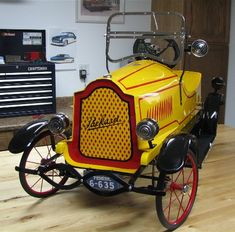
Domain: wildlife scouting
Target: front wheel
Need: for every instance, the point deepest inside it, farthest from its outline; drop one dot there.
(181, 188)
(39, 153)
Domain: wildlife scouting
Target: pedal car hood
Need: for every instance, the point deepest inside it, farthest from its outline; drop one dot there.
(142, 77)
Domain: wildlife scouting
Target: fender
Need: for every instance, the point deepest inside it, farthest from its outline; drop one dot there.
(211, 113)
(212, 106)
(173, 152)
(25, 136)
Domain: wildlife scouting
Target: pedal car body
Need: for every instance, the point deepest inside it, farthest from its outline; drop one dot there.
(144, 114)
(107, 111)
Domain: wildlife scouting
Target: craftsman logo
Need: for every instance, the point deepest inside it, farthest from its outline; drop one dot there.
(37, 68)
(103, 121)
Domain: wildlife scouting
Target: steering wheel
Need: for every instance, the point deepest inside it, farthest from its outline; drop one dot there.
(150, 51)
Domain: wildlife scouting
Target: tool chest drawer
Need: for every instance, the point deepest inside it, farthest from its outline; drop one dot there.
(27, 89)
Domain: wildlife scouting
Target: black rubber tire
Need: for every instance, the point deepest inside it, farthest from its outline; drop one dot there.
(33, 156)
(181, 189)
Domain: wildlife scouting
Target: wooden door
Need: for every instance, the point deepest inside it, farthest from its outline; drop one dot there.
(208, 20)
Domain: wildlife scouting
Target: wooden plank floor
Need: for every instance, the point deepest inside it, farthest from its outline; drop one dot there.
(80, 210)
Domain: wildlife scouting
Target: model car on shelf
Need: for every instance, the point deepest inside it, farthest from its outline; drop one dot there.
(62, 58)
(144, 121)
(63, 39)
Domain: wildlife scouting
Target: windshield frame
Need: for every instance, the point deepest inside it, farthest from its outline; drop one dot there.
(151, 34)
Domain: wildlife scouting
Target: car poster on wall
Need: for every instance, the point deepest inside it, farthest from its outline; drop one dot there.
(98, 11)
(62, 48)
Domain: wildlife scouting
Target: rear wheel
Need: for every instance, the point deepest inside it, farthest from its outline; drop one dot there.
(38, 154)
(181, 188)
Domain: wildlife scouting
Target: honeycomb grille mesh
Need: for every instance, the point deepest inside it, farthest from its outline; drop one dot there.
(105, 126)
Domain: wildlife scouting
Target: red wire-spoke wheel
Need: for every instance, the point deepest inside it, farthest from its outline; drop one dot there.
(181, 188)
(40, 153)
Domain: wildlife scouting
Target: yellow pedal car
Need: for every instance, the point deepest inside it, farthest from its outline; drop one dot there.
(145, 115)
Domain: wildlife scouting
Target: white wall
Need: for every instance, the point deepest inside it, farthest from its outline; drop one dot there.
(48, 14)
(230, 99)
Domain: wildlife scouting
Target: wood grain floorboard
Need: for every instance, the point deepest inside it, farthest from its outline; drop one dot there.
(80, 210)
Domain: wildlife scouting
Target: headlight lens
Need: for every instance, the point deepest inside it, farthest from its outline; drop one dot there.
(58, 123)
(147, 129)
(199, 48)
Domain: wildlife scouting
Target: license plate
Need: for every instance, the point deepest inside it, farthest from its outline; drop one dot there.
(103, 183)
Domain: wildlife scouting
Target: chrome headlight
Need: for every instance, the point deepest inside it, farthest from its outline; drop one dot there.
(147, 129)
(58, 123)
(199, 48)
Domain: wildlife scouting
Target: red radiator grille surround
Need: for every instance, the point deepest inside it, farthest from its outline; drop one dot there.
(104, 127)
